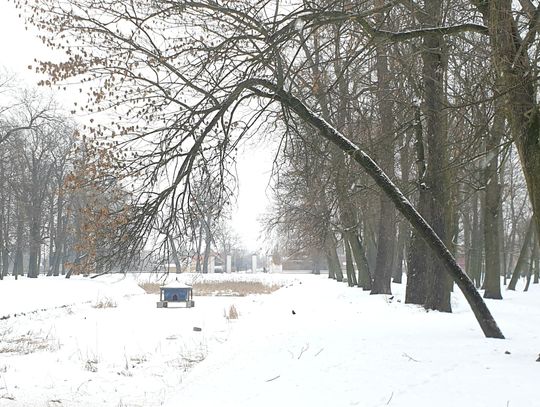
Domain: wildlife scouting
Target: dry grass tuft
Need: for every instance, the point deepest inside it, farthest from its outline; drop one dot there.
(105, 303)
(91, 365)
(233, 313)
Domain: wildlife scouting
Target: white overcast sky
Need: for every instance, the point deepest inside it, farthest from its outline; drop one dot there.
(19, 47)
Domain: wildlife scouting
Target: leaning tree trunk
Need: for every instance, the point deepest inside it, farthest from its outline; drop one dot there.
(477, 304)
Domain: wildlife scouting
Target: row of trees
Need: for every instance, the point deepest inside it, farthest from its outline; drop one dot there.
(65, 199)
(59, 205)
(434, 116)
(453, 78)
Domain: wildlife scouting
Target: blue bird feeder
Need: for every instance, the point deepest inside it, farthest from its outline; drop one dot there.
(175, 292)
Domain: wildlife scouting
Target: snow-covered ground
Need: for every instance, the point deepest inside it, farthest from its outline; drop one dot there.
(340, 347)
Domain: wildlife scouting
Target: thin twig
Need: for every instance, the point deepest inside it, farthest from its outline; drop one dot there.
(304, 348)
(410, 358)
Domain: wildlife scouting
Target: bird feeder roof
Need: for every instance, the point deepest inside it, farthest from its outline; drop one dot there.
(176, 284)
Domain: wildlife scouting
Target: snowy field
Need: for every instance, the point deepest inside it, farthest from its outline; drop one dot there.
(103, 342)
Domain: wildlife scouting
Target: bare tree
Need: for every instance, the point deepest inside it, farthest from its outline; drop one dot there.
(188, 72)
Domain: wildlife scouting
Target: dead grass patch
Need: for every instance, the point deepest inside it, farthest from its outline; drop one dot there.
(221, 288)
(232, 288)
(28, 343)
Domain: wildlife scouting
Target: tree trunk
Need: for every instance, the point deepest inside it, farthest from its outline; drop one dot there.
(359, 255)
(50, 257)
(513, 231)
(331, 268)
(417, 260)
(351, 275)
(382, 275)
(477, 242)
(208, 244)
(522, 259)
(18, 268)
(492, 205)
(403, 232)
(502, 243)
(437, 182)
(403, 228)
(175, 257)
(60, 236)
(34, 247)
(199, 247)
(5, 248)
(534, 256)
(331, 253)
(536, 266)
